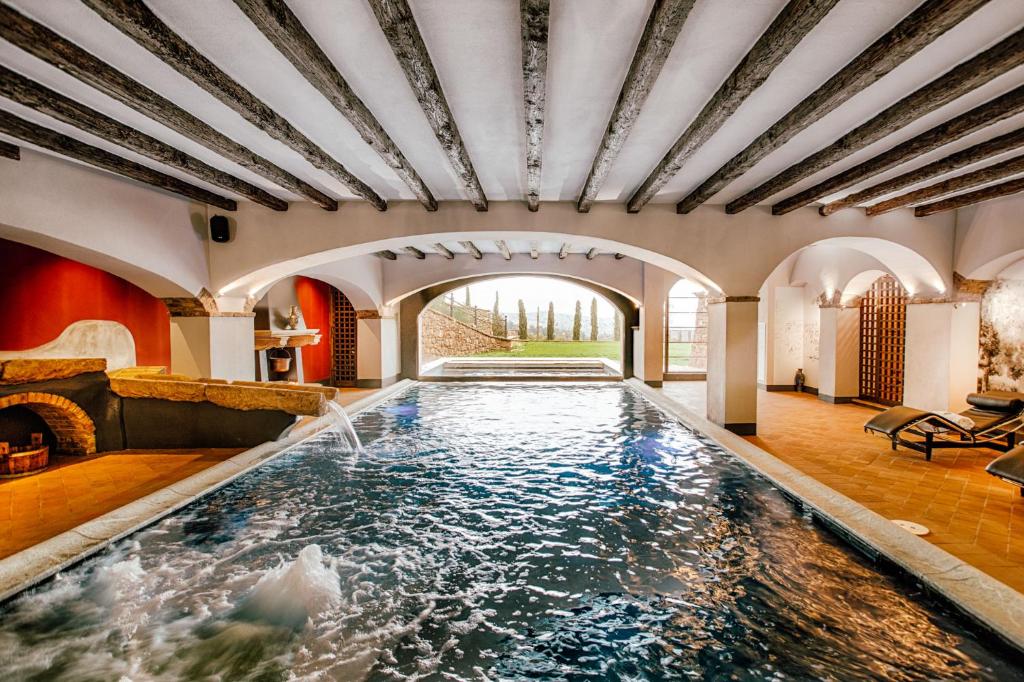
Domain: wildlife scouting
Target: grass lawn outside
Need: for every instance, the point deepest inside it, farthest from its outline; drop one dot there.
(559, 349)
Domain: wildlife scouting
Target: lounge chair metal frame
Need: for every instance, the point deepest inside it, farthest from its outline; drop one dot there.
(938, 439)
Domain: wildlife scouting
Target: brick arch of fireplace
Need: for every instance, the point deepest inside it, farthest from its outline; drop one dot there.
(74, 430)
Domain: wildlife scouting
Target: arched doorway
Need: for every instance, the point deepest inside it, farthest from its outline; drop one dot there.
(883, 324)
(73, 430)
(344, 341)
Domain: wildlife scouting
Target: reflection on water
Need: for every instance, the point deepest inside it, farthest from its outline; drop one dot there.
(516, 531)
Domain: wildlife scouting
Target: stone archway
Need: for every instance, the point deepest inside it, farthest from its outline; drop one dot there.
(74, 430)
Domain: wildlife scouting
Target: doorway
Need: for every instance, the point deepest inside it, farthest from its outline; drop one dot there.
(344, 324)
(883, 324)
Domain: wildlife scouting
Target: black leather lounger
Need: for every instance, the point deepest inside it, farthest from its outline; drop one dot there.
(997, 416)
(1009, 467)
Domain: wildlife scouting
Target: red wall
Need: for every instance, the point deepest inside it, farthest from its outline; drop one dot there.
(314, 299)
(42, 293)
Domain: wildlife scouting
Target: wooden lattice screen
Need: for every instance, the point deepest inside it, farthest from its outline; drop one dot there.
(343, 340)
(883, 320)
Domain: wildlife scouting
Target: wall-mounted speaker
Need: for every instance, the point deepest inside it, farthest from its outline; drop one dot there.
(219, 231)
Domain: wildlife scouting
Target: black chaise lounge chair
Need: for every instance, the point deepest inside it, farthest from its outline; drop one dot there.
(1009, 467)
(995, 418)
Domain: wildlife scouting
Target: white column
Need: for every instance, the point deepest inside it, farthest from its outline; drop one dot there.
(732, 363)
(218, 347)
(941, 358)
(651, 339)
(839, 354)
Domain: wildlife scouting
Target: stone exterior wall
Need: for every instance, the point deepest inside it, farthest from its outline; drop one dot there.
(444, 337)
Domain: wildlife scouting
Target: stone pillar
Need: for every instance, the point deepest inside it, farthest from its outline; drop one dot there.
(209, 344)
(377, 353)
(941, 358)
(649, 361)
(839, 353)
(732, 363)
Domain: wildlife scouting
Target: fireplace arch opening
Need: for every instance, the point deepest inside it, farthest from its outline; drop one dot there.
(73, 430)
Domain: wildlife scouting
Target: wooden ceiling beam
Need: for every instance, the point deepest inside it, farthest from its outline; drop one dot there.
(663, 26)
(971, 155)
(955, 83)
(998, 171)
(564, 251)
(534, 25)
(284, 30)
(415, 253)
(399, 27)
(982, 116)
(94, 156)
(591, 254)
(28, 93)
(50, 47)
(620, 256)
(387, 254)
(444, 251)
(792, 24)
(471, 247)
(976, 197)
(10, 151)
(917, 30)
(502, 245)
(138, 22)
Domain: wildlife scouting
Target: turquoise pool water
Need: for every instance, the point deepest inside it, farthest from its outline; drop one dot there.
(512, 531)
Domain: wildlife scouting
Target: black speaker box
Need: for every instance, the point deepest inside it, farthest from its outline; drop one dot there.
(219, 231)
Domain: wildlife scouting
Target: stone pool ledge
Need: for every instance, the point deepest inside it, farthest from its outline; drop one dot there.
(987, 601)
(31, 566)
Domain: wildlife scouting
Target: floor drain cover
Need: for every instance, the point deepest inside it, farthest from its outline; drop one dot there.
(911, 527)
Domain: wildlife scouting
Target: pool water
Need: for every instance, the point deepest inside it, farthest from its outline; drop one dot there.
(516, 531)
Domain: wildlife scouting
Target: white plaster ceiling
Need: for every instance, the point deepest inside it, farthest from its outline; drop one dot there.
(475, 47)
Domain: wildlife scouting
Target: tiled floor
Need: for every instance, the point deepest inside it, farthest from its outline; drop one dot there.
(970, 514)
(74, 490)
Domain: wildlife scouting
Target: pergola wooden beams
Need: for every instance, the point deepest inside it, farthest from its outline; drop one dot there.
(17, 88)
(444, 251)
(137, 21)
(50, 47)
(592, 253)
(976, 197)
(284, 30)
(663, 25)
(971, 155)
(993, 111)
(399, 27)
(909, 36)
(471, 247)
(564, 251)
(415, 253)
(503, 249)
(387, 254)
(10, 151)
(534, 24)
(982, 176)
(794, 22)
(955, 83)
(94, 156)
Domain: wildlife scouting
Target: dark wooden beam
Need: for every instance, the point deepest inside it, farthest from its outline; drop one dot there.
(399, 27)
(94, 156)
(951, 85)
(26, 92)
(138, 22)
(564, 251)
(9, 151)
(794, 22)
(534, 251)
(976, 197)
(503, 249)
(917, 30)
(471, 247)
(663, 25)
(993, 111)
(998, 171)
(534, 23)
(591, 254)
(444, 251)
(620, 256)
(416, 253)
(966, 157)
(387, 254)
(284, 30)
(50, 47)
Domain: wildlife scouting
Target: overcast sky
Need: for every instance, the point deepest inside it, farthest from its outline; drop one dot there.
(535, 291)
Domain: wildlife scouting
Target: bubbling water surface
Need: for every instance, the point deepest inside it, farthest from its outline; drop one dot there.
(487, 531)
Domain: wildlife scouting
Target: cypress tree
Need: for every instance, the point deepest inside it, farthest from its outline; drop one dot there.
(551, 321)
(524, 325)
(618, 327)
(577, 321)
(593, 319)
(467, 297)
(497, 324)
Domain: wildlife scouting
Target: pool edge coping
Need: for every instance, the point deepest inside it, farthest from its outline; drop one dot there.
(32, 565)
(989, 602)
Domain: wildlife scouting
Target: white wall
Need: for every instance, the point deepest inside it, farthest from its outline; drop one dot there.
(787, 334)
